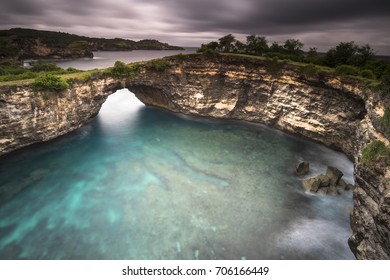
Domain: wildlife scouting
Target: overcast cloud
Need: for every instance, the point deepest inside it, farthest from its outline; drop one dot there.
(317, 23)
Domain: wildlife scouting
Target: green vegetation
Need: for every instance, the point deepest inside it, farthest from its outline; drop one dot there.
(385, 122)
(13, 71)
(347, 70)
(309, 70)
(121, 70)
(374, 152)
(346, 58)
(49, 83)
(158, 64)
(274, 66)
(385, 86)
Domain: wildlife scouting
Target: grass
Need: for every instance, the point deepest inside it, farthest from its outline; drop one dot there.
(375, 152)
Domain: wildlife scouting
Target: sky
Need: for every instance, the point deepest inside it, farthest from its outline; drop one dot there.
(316, 23)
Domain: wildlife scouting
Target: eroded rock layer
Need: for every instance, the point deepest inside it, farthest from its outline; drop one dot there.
(27, 117)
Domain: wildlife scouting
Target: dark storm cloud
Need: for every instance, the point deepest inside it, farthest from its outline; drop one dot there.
(188, 22)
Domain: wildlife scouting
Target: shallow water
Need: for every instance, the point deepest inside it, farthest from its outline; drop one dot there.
(142, 183)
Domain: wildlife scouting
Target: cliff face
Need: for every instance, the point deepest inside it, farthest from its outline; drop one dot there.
(324, 108)
(27, 117)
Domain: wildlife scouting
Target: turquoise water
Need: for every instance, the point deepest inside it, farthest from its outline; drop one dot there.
(142, 183)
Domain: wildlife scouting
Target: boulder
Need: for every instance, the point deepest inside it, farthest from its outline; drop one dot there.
(334, 175)
(344, 186)
(302, 168)
(315, 183)
(333, 190)
(324, 180)
(323, 191)
(311, 184)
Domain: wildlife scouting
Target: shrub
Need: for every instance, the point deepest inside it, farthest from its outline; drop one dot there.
(375, 151)
(121, 70)
(210, 53)
(309, 70)
(3, 71)
(385, 86)
(72, 70)
(158, 64)
(23, 76)
(274, 67)
(347, 70)
(385, 122)
(45, 67)
(367, 73)
(49, 83)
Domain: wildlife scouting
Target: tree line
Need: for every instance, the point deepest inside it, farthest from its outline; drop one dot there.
(347, 57)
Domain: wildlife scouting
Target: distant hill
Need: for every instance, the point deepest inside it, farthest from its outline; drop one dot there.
(21, 43)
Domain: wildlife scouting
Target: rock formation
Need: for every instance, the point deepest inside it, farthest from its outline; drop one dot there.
(302, 168)
(325, 108)
(323, 183)
(27, 117)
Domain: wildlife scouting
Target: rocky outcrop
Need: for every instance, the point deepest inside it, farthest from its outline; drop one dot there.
(332, 110)
(302, 168)
(27, 117)
(329, 183)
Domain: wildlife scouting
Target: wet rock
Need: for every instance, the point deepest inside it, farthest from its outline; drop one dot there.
(302, 168)
(326, 184)
(333, 191)
(344, 185)
(324, 180)
(334, 175)
(311, 184)
(323, 191)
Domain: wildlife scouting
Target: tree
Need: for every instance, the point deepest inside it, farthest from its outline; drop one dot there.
(276, 48)
(364, 54)
(226, 43)
(293, 46)
(343, 53)
(212, 46)
(239, 47)
(256, 45)
(312, 56)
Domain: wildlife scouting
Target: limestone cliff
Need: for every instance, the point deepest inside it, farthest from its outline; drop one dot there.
(332, 110)
(27, 117)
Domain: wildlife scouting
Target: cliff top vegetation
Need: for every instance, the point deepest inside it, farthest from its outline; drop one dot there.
(347, 58)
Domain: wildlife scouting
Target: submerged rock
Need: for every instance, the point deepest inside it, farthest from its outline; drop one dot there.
(302, 168)
(326, 183)
(345, 186)
(311, 184)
